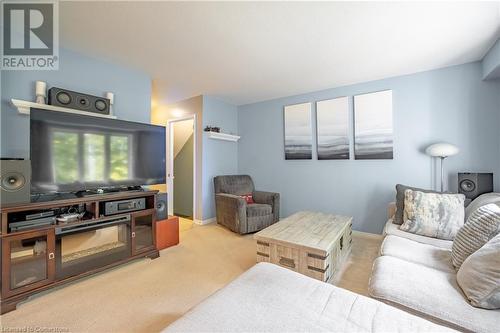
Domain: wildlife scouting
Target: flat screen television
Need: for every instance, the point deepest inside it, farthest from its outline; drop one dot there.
(72, 152)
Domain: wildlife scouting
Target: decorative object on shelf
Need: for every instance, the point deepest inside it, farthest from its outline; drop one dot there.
(40, 92)
(79, 101)
(373, 127)
(212, 129)
(298, 132)
(223, 136)
(111, 97)
(332, 117)
(442, 150)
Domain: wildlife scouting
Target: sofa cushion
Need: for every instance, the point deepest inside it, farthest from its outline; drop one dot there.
(400, 200)
(429, 292)
(479, 276)
(269, 298)
(254, 210)
(393, 229)
(482, 225)
(424, 254)
(480, 201)
(435, 215)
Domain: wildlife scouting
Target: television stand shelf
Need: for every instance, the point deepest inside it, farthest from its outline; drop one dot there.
(41, 258)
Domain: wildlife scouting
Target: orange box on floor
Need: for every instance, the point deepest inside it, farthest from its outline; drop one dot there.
(167, 232)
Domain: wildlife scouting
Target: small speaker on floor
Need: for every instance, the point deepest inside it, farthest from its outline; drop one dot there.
(161, 206)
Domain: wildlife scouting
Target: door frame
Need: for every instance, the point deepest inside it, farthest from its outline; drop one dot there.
(170, 162)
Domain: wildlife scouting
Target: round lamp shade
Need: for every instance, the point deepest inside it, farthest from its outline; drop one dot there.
(442, 150)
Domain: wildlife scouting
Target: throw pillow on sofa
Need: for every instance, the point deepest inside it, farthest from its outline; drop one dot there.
(437, 215)
(480, 201)
(479, 276)
(482, 225)
(248, 198)
(400, 201)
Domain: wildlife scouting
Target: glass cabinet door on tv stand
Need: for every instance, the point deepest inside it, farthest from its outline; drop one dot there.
(28, 261)
(143, 231)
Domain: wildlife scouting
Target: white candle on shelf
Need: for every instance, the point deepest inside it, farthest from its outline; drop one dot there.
(40, 92)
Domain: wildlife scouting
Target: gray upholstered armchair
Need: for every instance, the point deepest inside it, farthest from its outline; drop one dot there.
(233, 211)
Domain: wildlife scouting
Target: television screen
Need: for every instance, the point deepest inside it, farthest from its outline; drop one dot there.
(72, 152)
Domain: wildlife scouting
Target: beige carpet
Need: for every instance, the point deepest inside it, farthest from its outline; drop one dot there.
(146, 295)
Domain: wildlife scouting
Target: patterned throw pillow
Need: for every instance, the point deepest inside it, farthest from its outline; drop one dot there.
(479, 276)
(483, 224)
(248, 198)
(400, 201)
(435, 215)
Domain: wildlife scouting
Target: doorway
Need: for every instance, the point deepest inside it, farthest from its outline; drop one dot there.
(181, 167)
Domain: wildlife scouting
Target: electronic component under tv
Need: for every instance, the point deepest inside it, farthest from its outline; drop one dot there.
(72, 152)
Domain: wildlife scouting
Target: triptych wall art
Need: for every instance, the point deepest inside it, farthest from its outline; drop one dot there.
(332, 127)
(298, 129)
(371, 122)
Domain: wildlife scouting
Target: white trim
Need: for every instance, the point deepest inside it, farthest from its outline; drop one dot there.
(223, 136)
(170, 163)
(205, 222)
(367, 235)
(23, 107)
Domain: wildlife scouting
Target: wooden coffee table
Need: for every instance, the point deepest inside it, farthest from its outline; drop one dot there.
(311, 243)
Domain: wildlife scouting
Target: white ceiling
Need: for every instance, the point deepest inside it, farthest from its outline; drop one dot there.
(251, 51)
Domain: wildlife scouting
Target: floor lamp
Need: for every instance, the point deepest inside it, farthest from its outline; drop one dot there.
(442, 150)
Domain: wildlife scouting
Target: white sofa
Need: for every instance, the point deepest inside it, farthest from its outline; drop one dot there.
(415, 273)
(269, 298)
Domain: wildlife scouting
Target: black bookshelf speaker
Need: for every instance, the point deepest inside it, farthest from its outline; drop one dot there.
(161, 206)
(15, 179)
(473, 184)
(79, 101)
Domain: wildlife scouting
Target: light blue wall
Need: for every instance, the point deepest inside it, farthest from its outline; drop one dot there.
(219, 157)
(491, 62)
(452, 104)
(79, 73)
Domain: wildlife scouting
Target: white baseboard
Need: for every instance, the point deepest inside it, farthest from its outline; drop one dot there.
(367, 234)
(204, 222)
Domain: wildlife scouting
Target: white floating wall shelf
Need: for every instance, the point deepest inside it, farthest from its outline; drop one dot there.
(223, 136)
(23, 107)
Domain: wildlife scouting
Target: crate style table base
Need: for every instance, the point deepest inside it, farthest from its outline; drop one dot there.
(311, 243)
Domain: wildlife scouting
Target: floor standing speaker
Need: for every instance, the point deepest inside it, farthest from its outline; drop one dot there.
(15, 178)
(161, 206)
(474, 184)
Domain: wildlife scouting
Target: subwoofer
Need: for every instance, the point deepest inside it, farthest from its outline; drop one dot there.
(161, 206)
(15, 178)
(474, 184)
(79, 101)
